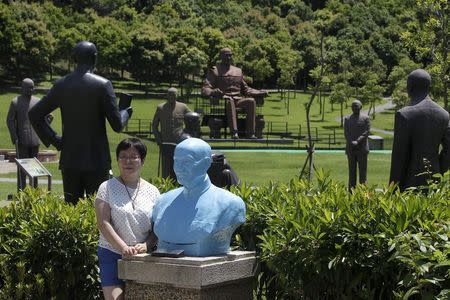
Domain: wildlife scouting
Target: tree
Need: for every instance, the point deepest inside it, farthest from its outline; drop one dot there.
(431, 41)
(213, 41)
(400, 95)
(191, 63)
(289, 63)
(338, 95)
(180, 42)
(26, 44)
(68, 38)
(147, 53)
(256, 64)
(400, 72)
(371, 93)
(113, 44)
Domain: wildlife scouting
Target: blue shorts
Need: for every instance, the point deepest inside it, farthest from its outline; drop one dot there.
(107, 261)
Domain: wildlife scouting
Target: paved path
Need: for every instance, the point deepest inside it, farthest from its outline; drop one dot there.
(7, 167)
(15, 180)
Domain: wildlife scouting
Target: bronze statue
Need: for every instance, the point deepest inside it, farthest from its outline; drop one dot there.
(21, 132)
(221, 173)
(169, 116)
(356, 131)
(191, 125)
(420, 130)
(85, 101)
(227, 81)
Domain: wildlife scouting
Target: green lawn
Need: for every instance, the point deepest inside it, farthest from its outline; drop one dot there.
(257, 168)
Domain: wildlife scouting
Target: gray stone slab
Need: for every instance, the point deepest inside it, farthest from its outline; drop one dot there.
(188, 272)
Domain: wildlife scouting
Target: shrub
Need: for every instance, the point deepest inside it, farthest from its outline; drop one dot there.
(48, 249)
(317, 242)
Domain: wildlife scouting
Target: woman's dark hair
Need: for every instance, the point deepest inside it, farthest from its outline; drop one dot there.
(132, 142)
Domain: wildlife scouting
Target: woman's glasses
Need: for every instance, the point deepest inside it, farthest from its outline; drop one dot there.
(129, 158)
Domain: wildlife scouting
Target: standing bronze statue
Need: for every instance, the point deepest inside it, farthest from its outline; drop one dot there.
(85, 101)
(167, 128)
(420, 130)
(21, 132)
(227, 81)
(356, 131)
(221, 173)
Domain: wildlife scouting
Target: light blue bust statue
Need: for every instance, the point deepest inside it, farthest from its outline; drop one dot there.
(198, 217)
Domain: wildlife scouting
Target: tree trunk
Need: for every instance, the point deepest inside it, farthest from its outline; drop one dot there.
(320, 102)
(310, 147)
(342, 115)
(51, 69)
(373, 107)
(323, 108)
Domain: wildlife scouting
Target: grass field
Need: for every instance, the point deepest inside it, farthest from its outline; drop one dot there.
(252, 167)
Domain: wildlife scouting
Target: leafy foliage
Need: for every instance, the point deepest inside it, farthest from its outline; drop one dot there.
(317, 242)
(277, 43)
(48, 248)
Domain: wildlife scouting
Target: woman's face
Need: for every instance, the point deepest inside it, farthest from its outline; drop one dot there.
(129, 162)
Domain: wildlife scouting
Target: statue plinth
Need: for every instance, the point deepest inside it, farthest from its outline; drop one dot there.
(214, 277)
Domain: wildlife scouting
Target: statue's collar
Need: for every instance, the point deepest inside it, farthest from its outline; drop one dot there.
(83, 68)
(198, 190)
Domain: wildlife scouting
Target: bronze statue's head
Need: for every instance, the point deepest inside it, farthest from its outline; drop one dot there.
(356, 106)
(418, 83)
(85, 53)
(172, 95)
(226, 56)
(27, 87)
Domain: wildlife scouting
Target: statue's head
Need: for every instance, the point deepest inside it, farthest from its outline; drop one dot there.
(356, 106)
(85, 53)
(192, 160)
(192, 120)
(172, 95)
(226, 56)
(418, 83)
(27, 87)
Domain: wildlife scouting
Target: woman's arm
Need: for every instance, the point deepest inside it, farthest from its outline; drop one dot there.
(103, 213)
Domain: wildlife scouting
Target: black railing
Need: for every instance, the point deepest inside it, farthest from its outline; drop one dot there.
(328, 138)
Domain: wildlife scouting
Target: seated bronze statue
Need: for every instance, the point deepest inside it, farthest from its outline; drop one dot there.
(227, 81)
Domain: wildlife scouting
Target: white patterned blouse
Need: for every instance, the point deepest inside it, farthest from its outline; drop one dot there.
(131, 211)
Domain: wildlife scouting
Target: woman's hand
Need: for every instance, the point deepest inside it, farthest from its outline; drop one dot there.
(141, 248)
(129, 251)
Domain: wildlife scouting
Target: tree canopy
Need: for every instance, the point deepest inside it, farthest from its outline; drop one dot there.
(276, 42)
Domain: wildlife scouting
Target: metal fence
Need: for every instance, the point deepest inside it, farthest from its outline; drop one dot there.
(324, 138)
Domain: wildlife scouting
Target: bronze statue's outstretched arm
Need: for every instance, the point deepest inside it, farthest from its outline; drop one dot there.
(38, 118)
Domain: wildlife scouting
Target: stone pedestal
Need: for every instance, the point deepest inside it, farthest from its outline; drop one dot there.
(375, 142)
(216, 277)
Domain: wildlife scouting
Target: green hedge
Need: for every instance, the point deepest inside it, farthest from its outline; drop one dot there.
(48, 249)
(318, 242)
(315, 242)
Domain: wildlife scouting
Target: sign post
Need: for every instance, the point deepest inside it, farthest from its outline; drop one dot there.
(33, 168)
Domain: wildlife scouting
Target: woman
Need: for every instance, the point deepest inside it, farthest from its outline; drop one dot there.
(123, 207)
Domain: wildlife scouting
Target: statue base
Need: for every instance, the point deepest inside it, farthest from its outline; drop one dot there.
(214, 277)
